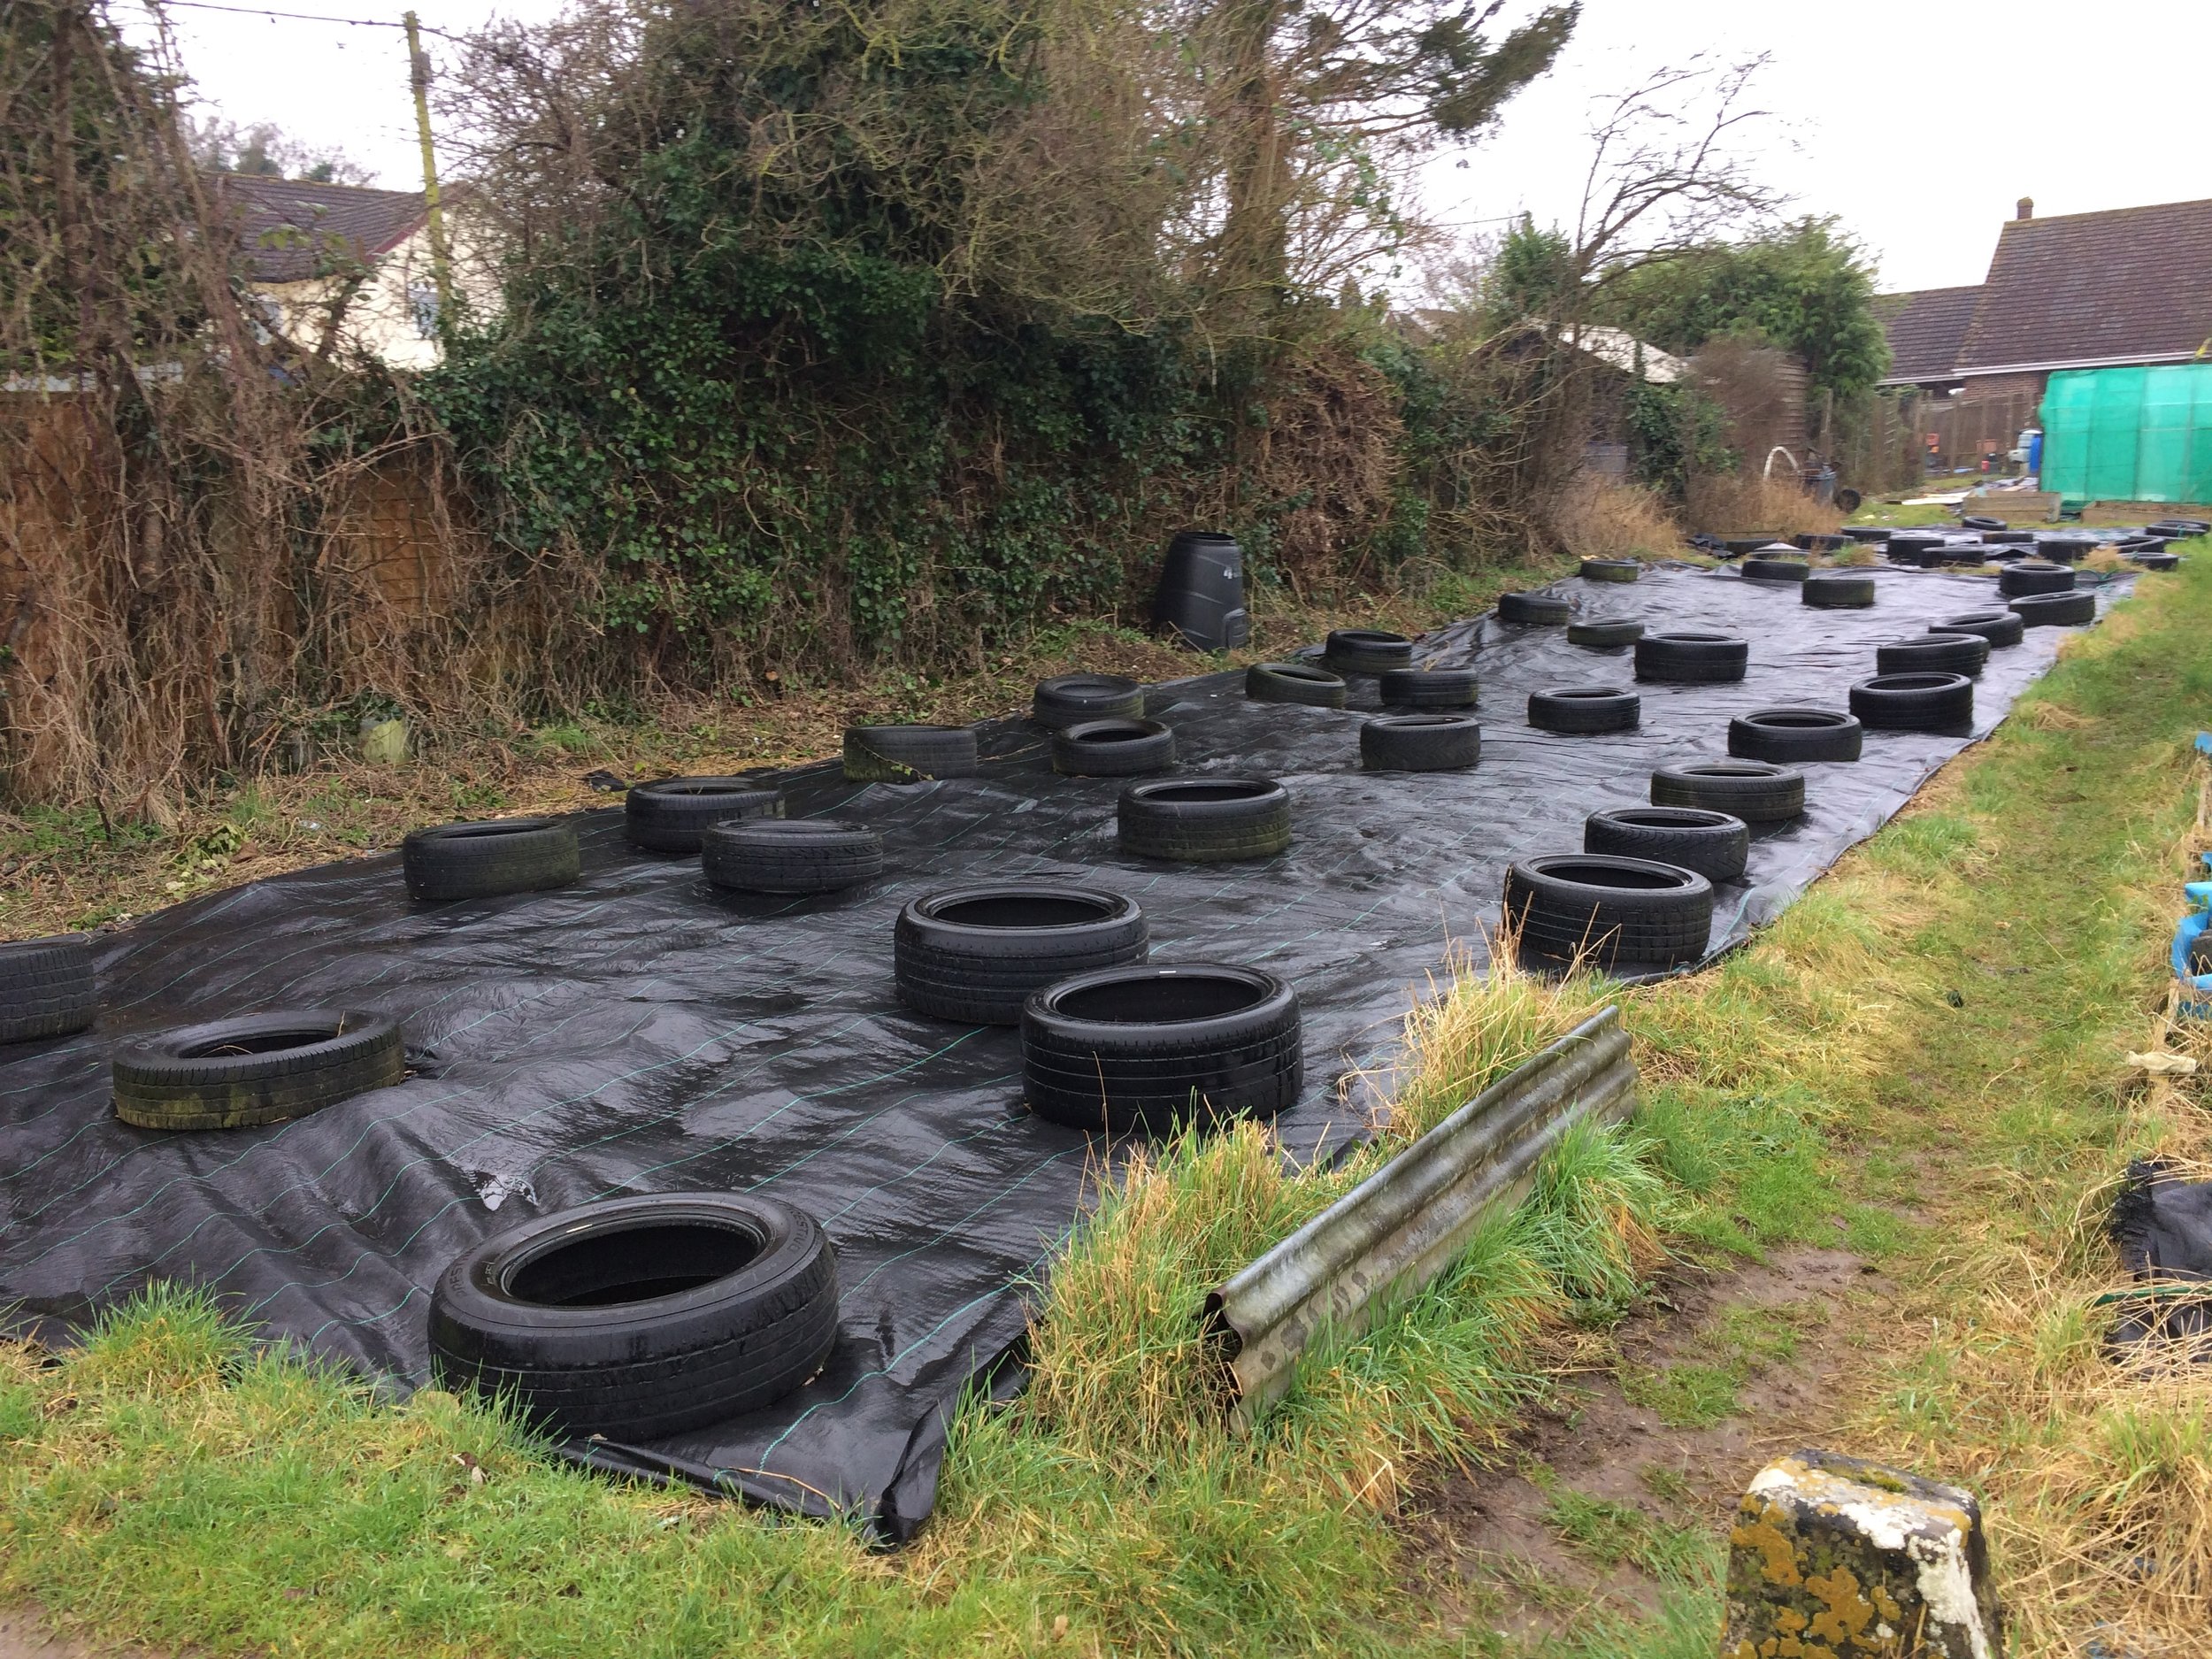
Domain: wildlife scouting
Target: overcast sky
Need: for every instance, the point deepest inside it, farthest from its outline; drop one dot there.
(1917, 122)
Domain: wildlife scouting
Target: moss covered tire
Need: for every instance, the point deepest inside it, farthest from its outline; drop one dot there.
(46, 988)
(640, 1317)
(1420, 742)
(1914, 702)
(2055, 611)
(2017, 581)
(1691, 659)
(1612, 570)
(1152, 1047)
(481, 861)
(258, 1069)
(1839, 593)
(1998, 627)
(909, 754)
(1604, 633)
(1787, 736)
(1296, 682)
(975, 954)
(1112, 748)
(670, 814)
(1543, 611)
(1756, 791)
(1716, 844)
(1934, 652)
(791, 856)
(1071, 699)
(1612, 913)
(1585, 710)
(1204, 820)
(1366, 651)
(1428, 688)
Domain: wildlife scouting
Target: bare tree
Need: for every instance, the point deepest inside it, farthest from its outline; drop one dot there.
(1669, 168)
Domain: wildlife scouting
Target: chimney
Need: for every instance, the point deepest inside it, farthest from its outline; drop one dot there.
(2026, 209)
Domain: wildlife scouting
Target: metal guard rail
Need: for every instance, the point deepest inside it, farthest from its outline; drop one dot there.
(1397, 1230)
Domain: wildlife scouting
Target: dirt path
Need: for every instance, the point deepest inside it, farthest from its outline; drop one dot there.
(1626, 1476)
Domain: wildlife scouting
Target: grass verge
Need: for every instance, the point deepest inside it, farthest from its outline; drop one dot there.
(1922, 1060)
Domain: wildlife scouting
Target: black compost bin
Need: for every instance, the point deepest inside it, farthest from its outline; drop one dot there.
(1202, 592)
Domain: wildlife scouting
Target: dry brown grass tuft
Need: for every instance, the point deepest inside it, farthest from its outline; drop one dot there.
(1737, 503)
(1596, 518)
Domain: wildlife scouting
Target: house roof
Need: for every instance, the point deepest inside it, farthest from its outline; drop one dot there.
(2131, 285)
(1622, 349)
(292, 229)
(1925, 329)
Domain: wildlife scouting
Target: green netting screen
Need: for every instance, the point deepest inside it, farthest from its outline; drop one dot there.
(2129, 435)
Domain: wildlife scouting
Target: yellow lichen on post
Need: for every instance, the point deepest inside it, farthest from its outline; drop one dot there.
(1832, 1558)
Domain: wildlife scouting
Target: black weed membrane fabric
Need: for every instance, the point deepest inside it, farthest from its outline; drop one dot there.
(643, 1032)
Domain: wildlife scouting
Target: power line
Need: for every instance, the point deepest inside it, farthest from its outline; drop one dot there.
(158, 6)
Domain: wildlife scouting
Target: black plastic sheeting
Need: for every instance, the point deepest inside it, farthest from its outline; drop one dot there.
(643, 1032)
(2163, 1226)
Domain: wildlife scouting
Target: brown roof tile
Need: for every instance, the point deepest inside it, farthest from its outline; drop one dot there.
(1925, 329)
(2132, 284)
(292, 229)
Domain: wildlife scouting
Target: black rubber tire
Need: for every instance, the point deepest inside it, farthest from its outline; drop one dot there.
(1691, 659)
(1584, 710)
(1914, 702)
(1846, 500)
(2055, 611)
(2018, 580)
(1599, 634)
(1815, 541)
(1612, 570)
(1980, 521)
(909, 754)
(1204, 820)
(1366, 651)
(1150, 1048)
(974, 954)
(256, 1069)
(1112, 748)
(1772, 568)
(747, 1313)
(1420, 742)
(1998, 627)
(2179, 529)
(483, 860)
(1937, 651)
(2066, 549)
(1071, 699)
(46, 988)
(1866, 532)
(2156, 560)
(1415, 689)
(670, 814)
(1534, 610)
(1296, 682)
(2008, 538)
(1716, 844)
(1608, 911)
(1790, 735)
(1838, 593)
(1756, 791)
(800, 854)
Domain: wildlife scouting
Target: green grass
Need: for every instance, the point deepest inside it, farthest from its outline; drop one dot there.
(172, 1483)
(1610, 1533)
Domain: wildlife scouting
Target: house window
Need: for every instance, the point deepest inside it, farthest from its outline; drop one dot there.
(422, 305)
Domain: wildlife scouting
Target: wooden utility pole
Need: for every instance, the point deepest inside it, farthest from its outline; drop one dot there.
(441, 261)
